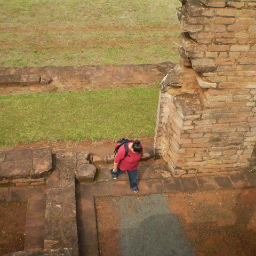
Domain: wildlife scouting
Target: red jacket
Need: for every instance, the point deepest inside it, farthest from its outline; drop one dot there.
(128, 163)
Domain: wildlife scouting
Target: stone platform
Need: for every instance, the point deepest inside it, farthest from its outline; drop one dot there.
(61, 217)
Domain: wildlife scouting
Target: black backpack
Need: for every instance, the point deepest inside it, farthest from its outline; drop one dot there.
(121, 142)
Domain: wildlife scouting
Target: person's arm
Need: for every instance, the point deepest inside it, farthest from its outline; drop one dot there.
(115, 167)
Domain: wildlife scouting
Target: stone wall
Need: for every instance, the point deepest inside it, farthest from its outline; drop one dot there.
(207, 117)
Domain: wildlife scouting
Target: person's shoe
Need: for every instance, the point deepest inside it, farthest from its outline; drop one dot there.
(112, 175)
(135, 190)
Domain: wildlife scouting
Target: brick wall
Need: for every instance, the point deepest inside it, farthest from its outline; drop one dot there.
(207, 117)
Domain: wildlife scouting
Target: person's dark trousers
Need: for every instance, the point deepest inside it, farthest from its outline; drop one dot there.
(132, 177)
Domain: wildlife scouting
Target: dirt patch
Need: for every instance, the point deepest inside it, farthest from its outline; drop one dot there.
(99, 147)
(109, 235)
(12, 227)
(219, 222)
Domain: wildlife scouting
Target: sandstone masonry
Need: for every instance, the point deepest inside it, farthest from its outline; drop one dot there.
(207, 116)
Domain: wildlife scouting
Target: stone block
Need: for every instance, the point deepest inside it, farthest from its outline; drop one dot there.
(42, 161)
(190, 27)
(98, 159)
(53, 210)
(2, 156)
(218, 48)
(18, 169)
(110, 159)
(17, 155)
(226, 12)
(33, 78)
(223, 20)
(215, 4)
(67, 178)
(195, 8)
(85, 172)
(83, 158)
(234, 4)
(216, 28)
(239, 48)
(69, 211)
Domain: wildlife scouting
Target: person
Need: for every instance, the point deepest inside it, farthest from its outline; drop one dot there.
(128, 163)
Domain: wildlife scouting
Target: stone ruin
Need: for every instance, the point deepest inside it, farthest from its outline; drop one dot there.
(206, 115)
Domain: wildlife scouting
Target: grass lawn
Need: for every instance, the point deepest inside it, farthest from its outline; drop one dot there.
(93, 115)
(83, 32)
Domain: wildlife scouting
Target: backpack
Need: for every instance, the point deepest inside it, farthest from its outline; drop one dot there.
(121, 142)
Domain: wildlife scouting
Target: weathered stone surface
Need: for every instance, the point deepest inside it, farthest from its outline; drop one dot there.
(83, 75)
(42, 161)
(18, 169)
(83, 158)
(205, 84)
(165, 67)
(45, 252)
(17, 155)
(98, 159)
(86, 172)
(2, 156)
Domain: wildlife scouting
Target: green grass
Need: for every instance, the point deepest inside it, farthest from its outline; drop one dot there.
(94, 115)
(83, 32)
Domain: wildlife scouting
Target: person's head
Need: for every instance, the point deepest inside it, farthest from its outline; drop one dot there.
(137, 146)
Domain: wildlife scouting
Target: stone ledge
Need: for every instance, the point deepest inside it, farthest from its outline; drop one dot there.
(101, 74)
(43, 252)
(25, 164)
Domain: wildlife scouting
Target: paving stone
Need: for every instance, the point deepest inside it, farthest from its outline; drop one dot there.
(251, 177)
(223, 182)
(37, 193)
(69, 210)
(53, 210)
(172, 184)
(19, 155)
(102, 188)
(155, 186)
(143, 187)
(89, 243)
(35, 236)
(85, 172)
(104, 174)
(119, 187)
(52, 229)
(148, 172)
(35, 219)
(86, 212)
(238, 180)
(83, 190)
(207, 183)
(42, 161)
(66, 160)
(60, 195)
(18, 169)
(18, 194)
(2, 156)
(4, 194)
(36, 206)
(83, 158)
(69, 233)
(53, 181)
(67, 178)
(189, 183)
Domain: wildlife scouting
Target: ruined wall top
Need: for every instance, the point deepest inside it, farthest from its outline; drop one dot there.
(219, 42)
